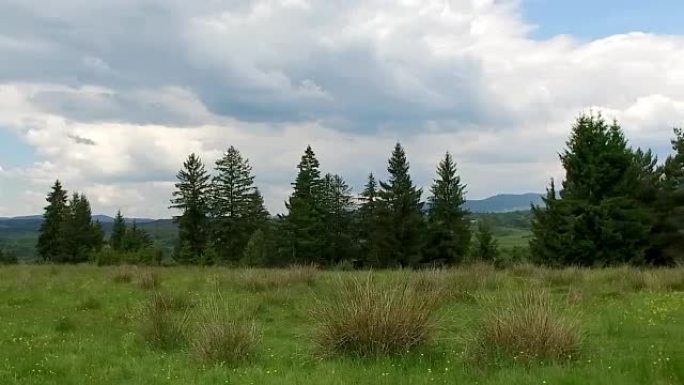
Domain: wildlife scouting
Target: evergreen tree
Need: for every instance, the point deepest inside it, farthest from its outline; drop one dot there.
(304, 222)
(600, 217)
(256, 251)
(667, 239)
(52, 241)
(237, 206)
(116, 239)
(401, 219)
(486, 248)
(449, 222)
(136, 239)
(368, 223)
(82, 236)
(191, 198)
(337, 207)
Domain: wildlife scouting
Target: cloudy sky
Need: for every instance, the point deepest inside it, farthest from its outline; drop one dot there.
(111, 96)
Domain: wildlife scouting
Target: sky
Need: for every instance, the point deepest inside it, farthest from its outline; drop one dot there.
(111, 96)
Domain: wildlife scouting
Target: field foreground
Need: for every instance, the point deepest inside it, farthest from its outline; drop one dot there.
(86, 325)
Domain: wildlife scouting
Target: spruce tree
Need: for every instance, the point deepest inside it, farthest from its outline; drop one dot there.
(191, 198)
(82, 235)
(368, 223)
(599, 218)
(304, 222)
(337, 208)
(486, 247)
(449, 222)
(401, 219)
(116, 239)
(237, 206)
(52, 245)
(667, 239)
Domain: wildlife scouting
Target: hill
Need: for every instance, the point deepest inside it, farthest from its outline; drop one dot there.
(504, 203)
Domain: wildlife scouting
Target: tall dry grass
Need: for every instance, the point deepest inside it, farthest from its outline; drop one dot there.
(221, 338)
(528, 327)
(364, 318)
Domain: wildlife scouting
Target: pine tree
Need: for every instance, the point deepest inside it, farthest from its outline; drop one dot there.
(337, 207)
(368, 223)
(136, 239)
(304, 222)
(486, 248)
(116, 239)
(401, 215)
(191, 198)
(82, 236)
(237, 206)
(667, 238)
(52, 241)
(449, 222)
(600, 217)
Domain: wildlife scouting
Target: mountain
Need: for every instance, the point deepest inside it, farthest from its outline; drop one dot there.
(504, 203)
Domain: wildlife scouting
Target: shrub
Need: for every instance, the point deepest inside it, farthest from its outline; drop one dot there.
(8, 258)
(527, 328)
(364, 319)
(219, 339)
(162, 325)
(145, 256)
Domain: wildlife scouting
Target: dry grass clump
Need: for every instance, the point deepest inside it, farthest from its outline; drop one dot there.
(163, 324)
(256, 280)
(363, 318)
(220, 339)
(568, 276)
(148, 279)
(664, 279)
(528, 328)
(123, 274)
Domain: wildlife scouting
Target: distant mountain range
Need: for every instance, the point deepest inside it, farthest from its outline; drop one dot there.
(495, 204)
(504, 203)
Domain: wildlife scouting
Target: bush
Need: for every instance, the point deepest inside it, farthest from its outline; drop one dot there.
(527, 328)
(161, 324)
(8, 258)
(365, 319)
(220, 339)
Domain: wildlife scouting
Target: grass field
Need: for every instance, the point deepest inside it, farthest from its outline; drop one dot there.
(86, 325)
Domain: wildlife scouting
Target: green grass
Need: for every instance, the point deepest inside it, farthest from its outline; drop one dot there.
(82, 325)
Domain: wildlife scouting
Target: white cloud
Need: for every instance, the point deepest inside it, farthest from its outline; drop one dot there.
(117, 110)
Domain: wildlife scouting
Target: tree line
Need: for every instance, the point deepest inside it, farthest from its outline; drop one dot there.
(223, 218)
(616, 205)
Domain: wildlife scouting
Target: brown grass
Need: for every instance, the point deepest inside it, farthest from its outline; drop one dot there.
(148, 279)
(163, 324)
(220, 339)
(528, 328)
(363, 319)
(257, 280)
(123, 274)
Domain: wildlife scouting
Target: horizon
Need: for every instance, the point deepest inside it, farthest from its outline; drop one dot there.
(113, 112)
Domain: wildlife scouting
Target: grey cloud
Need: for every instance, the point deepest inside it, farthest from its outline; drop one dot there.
(277, 69)
(82, 140)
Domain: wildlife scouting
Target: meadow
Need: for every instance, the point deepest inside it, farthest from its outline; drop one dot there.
(155, 325)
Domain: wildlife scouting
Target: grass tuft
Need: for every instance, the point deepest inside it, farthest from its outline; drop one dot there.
(528, 328)
(220, 339)
(163, 325)
(148, 280)
(256, 280)
(123, 274)
(366, 319)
